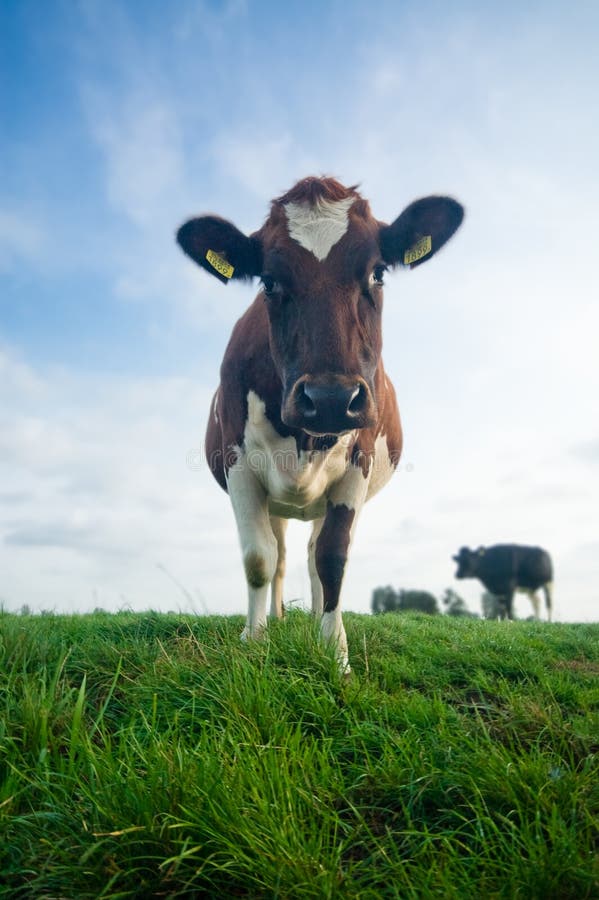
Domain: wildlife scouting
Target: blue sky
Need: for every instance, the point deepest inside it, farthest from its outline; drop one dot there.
(120, 120)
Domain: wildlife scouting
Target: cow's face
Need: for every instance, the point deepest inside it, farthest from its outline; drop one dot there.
(468, 562)
(323, 290)
(321, 257)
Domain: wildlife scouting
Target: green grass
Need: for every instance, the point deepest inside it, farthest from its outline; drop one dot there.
(156, 756)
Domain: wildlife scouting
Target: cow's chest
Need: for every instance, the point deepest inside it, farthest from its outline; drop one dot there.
(296, 483)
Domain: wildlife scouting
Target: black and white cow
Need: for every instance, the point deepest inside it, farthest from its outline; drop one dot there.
(304, 423)
(507, 568)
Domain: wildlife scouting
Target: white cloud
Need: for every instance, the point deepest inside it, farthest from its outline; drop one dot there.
(264, 166)
(147, 181)
(588, 451)
(102, 491)
(21, 237)
(208, 19)
(17, 378)
(142, 144)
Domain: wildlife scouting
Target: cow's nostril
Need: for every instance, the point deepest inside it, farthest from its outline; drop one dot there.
(358, 401)
(304, 402)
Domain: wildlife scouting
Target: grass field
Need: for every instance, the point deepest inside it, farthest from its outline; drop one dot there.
(148, 755)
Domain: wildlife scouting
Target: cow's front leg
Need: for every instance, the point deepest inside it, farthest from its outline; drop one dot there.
(509, 602)
(330, 556)
(315, 582)
(548, 591)
(279, 527)
(258, 543)
(332, 547)
(536, 604)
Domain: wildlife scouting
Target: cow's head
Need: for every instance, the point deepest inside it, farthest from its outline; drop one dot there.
(321, 257)
(468, 561)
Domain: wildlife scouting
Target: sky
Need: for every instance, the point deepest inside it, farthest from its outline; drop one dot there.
(120, 120)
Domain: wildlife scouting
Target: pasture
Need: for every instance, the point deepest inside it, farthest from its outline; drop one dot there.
(151, 755)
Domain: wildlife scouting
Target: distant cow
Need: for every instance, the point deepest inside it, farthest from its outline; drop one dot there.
(507, 568)
(304, 423)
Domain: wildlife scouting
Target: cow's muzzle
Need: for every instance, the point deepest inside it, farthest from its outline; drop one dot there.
(329, 405)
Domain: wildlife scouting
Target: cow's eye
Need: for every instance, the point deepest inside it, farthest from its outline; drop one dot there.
(378, 275)
(270, 285)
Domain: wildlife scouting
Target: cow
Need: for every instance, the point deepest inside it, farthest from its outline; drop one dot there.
(507, 568)
(304, 423)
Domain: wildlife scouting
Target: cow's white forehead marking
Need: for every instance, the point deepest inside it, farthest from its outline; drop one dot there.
(318, 228)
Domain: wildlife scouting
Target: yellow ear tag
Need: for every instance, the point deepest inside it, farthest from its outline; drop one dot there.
(421, 248)
(221, 265)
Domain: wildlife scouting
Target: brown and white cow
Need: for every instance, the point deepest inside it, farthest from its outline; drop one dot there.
(305, 422)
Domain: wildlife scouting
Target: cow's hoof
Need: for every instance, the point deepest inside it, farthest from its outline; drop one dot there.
(345, 669)
(253, 634)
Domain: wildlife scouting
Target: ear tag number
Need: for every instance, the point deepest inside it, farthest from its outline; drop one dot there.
(421, 248)
(221, 265)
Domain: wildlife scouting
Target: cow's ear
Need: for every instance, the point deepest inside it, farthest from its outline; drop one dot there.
(220, 248)
(421, 229)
